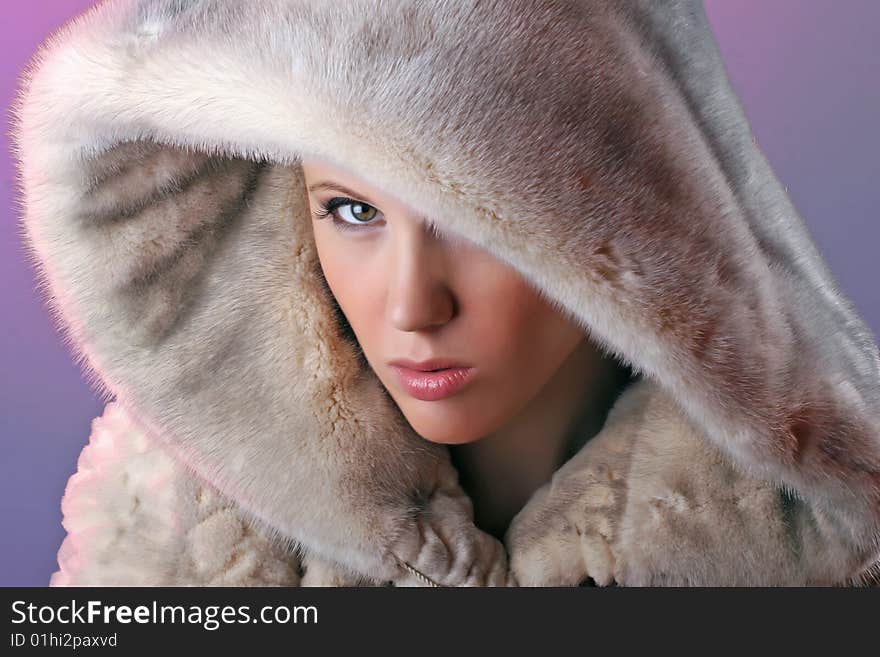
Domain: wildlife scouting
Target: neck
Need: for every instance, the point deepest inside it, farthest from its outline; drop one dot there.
(501, 471)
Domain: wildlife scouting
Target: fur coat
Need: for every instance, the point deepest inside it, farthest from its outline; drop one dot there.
(594, 145)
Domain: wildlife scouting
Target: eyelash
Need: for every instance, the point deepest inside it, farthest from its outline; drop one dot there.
(329, 209)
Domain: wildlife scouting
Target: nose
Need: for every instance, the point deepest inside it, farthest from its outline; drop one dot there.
(419, 296)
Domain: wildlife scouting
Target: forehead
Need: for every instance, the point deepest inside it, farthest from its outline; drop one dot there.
(323, 176)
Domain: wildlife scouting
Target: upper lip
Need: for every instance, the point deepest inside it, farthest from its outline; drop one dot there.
(427, 365)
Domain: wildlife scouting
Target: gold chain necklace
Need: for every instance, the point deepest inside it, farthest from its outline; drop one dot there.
(418, 574)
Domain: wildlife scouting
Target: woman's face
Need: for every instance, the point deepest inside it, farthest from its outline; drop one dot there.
(411, 294)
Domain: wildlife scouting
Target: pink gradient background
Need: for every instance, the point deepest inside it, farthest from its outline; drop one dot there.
(807, 73)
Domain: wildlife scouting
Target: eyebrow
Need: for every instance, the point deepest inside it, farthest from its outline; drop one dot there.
(325, 185)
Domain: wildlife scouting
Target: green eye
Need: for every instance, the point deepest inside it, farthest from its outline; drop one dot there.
(361, 212)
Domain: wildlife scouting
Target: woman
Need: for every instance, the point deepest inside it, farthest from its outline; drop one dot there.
(471, 353)
(654, 379)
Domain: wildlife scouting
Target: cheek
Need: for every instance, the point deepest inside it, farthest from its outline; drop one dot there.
(514, 329)
(357, 285)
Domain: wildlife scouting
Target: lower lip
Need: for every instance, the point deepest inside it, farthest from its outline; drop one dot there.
(432, 386)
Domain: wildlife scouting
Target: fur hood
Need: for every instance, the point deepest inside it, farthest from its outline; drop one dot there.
(246, 442)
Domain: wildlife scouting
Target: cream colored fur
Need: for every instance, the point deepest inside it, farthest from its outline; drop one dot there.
(651, 502)
(596, 146)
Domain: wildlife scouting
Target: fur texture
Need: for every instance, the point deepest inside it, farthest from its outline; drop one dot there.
(599, 150)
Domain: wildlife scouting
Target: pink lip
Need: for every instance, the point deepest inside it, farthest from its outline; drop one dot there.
(432, 386)
(427, 365)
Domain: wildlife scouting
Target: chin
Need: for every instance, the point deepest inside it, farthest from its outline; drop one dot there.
(451, 430)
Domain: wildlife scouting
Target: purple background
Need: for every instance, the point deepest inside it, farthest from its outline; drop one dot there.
(806, 72)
